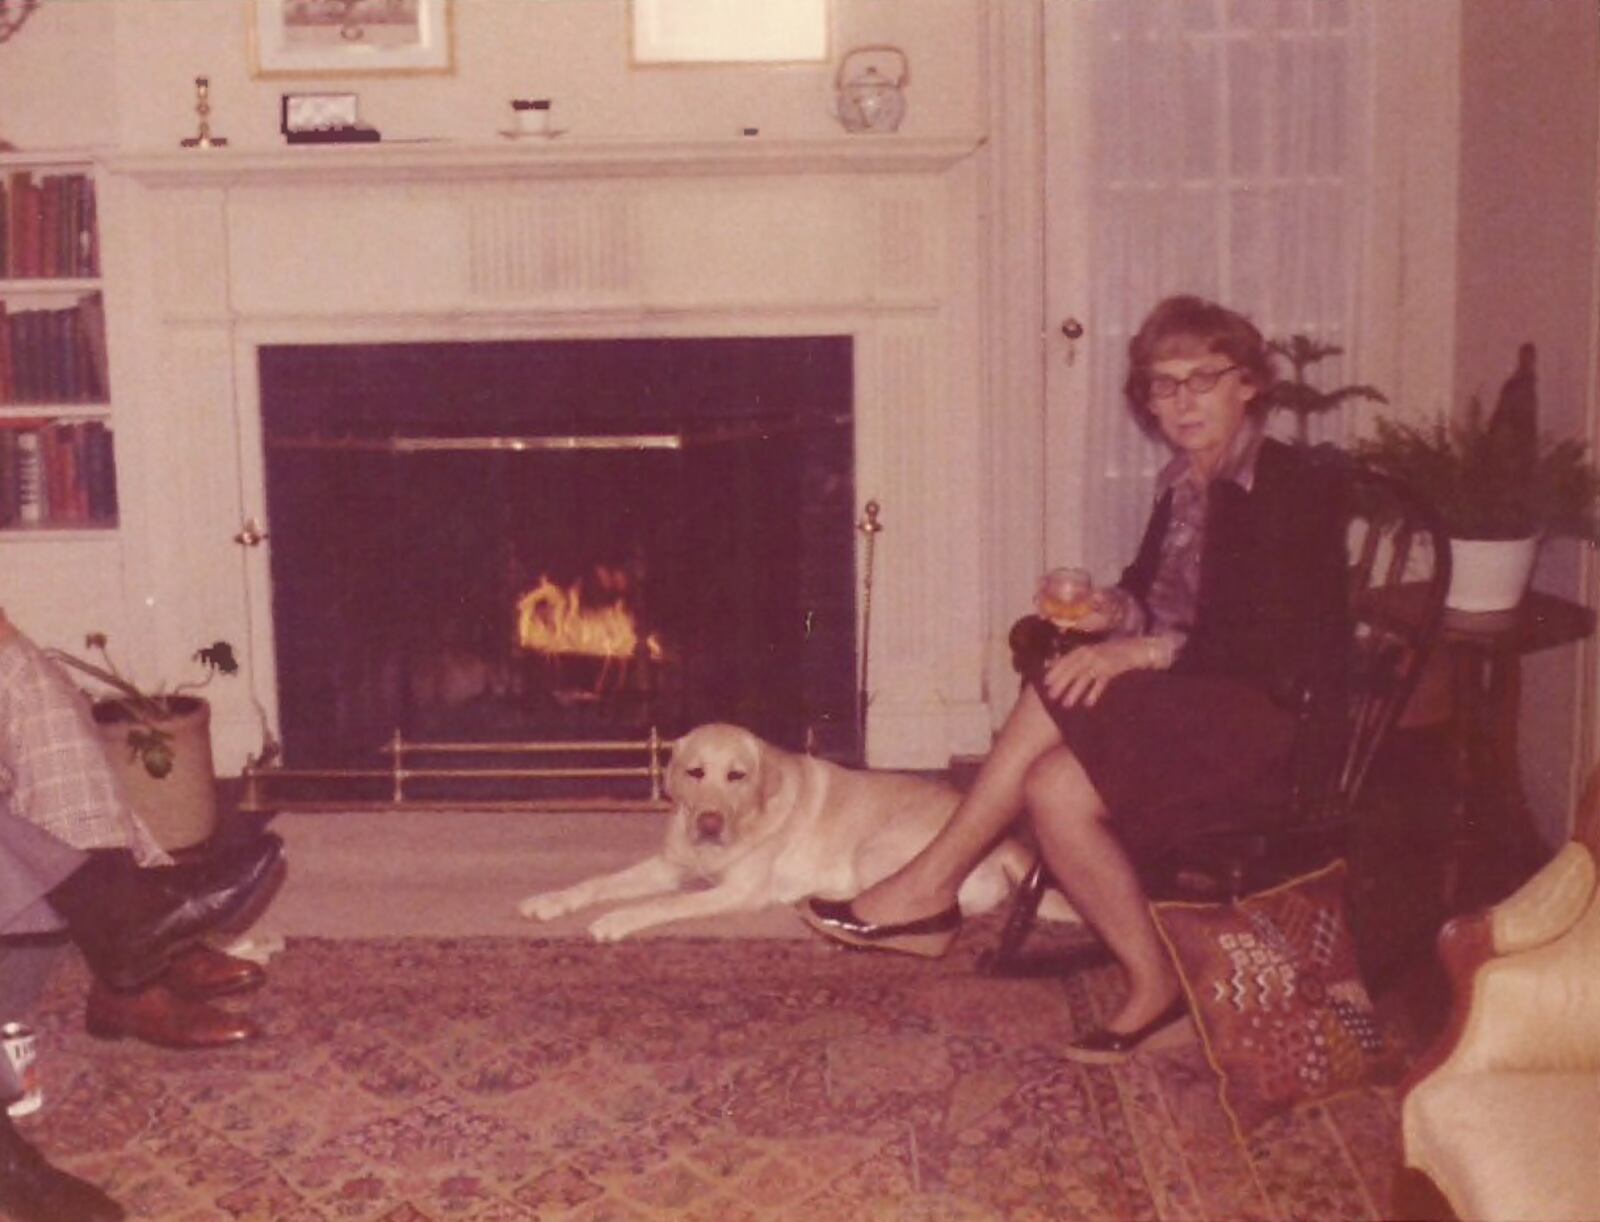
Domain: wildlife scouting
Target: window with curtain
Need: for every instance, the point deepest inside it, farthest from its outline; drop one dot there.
(1228, 150)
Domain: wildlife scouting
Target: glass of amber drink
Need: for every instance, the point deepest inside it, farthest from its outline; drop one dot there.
(1065, 596)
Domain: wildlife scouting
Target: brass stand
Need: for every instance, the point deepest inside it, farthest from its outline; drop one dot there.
(870, 526)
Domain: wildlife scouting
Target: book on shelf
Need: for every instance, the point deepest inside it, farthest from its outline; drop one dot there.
(54, 355)
(48, 226)
(101, 471)
(56, 473)
(31, 492)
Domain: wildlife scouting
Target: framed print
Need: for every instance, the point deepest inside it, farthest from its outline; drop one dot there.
(729, 31)
(343, 37)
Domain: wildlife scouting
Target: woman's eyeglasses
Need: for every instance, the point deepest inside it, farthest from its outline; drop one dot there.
(1164, 386)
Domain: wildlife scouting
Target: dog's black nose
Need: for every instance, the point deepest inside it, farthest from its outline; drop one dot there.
(708, 824)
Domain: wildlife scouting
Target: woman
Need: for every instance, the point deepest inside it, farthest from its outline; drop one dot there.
(1121, 748)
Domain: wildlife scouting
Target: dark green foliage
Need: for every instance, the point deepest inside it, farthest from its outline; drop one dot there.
(147, 710)
(1488, 483)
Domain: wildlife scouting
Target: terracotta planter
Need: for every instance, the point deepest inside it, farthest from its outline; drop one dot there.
(1490, 574)
(180, 807)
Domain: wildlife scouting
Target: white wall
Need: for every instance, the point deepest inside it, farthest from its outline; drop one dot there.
(121, 72)
(1525, 271)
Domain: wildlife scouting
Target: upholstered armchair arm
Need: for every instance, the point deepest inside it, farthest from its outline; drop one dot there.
(1546, 905)
(1525, 976)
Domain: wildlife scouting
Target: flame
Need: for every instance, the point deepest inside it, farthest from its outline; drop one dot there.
(552, 620)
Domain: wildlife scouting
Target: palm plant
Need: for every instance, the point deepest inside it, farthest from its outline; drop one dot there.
(1304, 400)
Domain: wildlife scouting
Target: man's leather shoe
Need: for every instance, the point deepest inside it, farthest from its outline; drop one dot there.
(157, 1015)
(31, 1190)
(195, 900)
(202, 972)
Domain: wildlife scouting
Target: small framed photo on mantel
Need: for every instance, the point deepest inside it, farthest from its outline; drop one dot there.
(350, 37)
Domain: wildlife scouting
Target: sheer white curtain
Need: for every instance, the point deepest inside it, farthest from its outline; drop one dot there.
(1227, 153)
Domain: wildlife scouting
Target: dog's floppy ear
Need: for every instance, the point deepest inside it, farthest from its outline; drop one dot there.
(771, 765)
(674, 767)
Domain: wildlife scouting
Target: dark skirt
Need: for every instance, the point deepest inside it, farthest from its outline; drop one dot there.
(1174, 754)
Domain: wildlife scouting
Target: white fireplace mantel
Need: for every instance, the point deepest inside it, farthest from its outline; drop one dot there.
(213, 254)
(433, 161)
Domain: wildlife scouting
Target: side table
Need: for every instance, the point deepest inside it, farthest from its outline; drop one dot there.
(1495, 843)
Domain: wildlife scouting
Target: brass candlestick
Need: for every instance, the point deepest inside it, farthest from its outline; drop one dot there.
(203, 139)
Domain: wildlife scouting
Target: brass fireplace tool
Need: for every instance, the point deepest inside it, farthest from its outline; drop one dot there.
(203, 139)
(869, 526)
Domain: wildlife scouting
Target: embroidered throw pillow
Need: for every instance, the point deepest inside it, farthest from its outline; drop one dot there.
(1277, 996)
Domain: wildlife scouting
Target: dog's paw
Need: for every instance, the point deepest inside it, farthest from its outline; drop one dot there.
(545, 906)
(614, 926)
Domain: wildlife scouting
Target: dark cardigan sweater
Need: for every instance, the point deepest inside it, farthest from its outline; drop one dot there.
(1272, 605)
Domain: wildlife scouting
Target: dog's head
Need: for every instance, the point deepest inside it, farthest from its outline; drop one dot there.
(719, 779)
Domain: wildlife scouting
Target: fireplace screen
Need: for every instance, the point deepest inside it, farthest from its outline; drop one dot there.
(483, 544)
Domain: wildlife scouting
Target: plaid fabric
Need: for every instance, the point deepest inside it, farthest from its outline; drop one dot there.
(53, 769)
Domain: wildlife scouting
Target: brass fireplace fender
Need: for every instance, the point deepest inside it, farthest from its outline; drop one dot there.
(652, 752)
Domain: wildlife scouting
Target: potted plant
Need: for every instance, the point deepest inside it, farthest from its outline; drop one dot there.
(159, 740)
(1500, 487)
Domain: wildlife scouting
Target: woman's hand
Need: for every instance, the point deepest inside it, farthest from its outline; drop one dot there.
(1104, 613)
(1081, 676)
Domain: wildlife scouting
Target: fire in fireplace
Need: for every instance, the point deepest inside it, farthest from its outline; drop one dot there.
(590, 622)
(482, 544)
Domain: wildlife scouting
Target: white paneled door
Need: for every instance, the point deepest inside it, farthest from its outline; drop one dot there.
(1216, 147)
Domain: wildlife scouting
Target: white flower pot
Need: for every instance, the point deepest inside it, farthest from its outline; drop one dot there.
(1489, 574)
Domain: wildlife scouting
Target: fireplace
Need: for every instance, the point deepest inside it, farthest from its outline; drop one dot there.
(485, 548)
(223, 264)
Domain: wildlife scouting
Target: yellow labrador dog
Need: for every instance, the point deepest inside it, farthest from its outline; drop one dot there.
(753, 825)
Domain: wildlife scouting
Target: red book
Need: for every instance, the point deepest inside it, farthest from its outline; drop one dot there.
(26, 208)
(49, 225)
(74, 473)
(16, 222)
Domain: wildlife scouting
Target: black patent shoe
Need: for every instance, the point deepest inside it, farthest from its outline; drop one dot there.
(928, 938)
(203, 897)
(179, 905)
(1103, 1047)
(31, 1190)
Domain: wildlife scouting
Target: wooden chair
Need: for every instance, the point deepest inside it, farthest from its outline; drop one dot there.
(1399, 570)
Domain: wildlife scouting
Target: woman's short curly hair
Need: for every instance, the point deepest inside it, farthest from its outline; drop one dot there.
(1186, 325)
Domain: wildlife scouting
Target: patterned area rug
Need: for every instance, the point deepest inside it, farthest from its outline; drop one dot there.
(696, 1079)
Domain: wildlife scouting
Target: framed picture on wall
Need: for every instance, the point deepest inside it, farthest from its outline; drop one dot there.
(345, 37)
(729, 31)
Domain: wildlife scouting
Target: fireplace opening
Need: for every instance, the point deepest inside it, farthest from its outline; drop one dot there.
(547, 542)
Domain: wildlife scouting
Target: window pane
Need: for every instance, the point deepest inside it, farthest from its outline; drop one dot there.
(729, 31)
